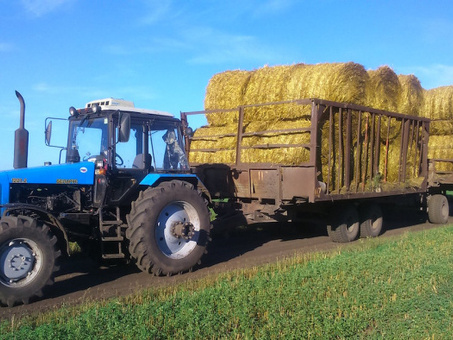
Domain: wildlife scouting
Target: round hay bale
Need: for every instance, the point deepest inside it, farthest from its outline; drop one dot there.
(294, 137)
(441, 147)
(383, 89)
(342, 82)
(439, 103)
(266, 86)
(222, 149)
(225, 91)
(219, 157)
(442, 127)
(411, 96)
(287, 156)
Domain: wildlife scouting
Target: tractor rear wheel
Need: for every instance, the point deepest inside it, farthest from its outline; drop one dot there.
(28, 258)
(168, 228)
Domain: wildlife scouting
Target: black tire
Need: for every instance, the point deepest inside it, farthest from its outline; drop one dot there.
(371, 220)
(152, 242)
(345, 225)
(28, 258)
(438, 209)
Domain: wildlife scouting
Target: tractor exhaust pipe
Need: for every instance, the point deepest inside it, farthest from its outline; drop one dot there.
(21, 138)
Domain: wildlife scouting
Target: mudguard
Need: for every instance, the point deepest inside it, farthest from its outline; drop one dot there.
(154, 179)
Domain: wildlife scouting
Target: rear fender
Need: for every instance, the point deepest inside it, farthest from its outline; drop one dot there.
(154, 179)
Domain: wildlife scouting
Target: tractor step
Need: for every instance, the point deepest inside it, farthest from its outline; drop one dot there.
(113, 256)
(112, 238)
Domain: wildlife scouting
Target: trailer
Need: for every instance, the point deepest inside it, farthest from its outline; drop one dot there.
(357, 159)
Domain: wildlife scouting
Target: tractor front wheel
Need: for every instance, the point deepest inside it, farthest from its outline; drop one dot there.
(168, 228)
(28, 258)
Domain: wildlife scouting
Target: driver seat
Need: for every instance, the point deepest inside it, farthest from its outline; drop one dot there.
(142, 161)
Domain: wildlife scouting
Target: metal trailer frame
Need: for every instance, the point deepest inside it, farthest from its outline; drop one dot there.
(278, 184)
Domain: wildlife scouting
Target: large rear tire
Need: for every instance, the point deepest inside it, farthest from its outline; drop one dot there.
(168, 228)
(438, 209)
(345, 225)
(28, 258)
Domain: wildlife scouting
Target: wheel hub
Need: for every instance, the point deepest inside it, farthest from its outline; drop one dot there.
(16, 261)
(184, 230)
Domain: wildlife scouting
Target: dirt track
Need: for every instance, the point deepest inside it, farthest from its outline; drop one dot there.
(80, 280)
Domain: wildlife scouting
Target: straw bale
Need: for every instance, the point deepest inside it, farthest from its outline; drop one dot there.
(225, 91)
(383, 89)
(443, 127)
(218, 157)
(222, 148)
(287, 156)
(439, 103)
(390, 173)
(411, 96)
(441, 147)
(343, 82)
(267, 84)
(294, 137)
(208, 137)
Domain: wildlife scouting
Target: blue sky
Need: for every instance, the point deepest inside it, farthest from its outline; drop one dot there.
(161, 54)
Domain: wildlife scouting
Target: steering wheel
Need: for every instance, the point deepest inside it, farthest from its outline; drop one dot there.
(118, 160)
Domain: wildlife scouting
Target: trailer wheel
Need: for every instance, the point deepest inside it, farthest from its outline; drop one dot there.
(438, 209)
(345, 226)
(28, 258)
(168, 228)
(370, 220)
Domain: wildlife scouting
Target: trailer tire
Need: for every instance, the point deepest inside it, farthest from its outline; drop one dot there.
(345, 226)
(168, 228)
(370, 220)
(28, 259)
(438, 209)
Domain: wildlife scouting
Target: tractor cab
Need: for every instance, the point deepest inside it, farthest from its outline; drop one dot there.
(116, 136)
(125, 144)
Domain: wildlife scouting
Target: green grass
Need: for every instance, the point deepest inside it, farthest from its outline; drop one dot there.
(392, 288)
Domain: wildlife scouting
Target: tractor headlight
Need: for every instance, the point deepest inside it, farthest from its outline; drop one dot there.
(73, 111)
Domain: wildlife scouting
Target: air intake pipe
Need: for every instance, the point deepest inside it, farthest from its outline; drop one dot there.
(21, 138)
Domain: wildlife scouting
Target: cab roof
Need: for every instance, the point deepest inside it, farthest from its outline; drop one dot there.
(123, 105)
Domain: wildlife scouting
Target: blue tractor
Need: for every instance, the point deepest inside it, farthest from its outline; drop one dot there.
(125, 191)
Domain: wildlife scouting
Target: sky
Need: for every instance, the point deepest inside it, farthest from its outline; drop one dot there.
(160, 54)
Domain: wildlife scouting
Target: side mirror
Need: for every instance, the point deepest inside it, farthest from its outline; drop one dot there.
(189, 131)
(48, 133)
(124, 128)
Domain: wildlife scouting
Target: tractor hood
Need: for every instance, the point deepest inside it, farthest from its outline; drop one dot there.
(62, 174)
(74, 173)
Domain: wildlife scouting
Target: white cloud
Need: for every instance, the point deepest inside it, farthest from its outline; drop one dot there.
(218, 47)
(42, 7)
(433, 75)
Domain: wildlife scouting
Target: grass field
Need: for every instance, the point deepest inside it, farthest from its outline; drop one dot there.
(387, 287)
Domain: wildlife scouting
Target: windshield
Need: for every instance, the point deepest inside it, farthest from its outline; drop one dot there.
(153, 144)
(89, 137)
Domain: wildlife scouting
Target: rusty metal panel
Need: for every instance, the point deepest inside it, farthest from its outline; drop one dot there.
(264, 183)
(241, 181)
(298, 182)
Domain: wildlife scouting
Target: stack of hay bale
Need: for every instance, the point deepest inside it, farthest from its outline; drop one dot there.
(438, 106)
(340, 82)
